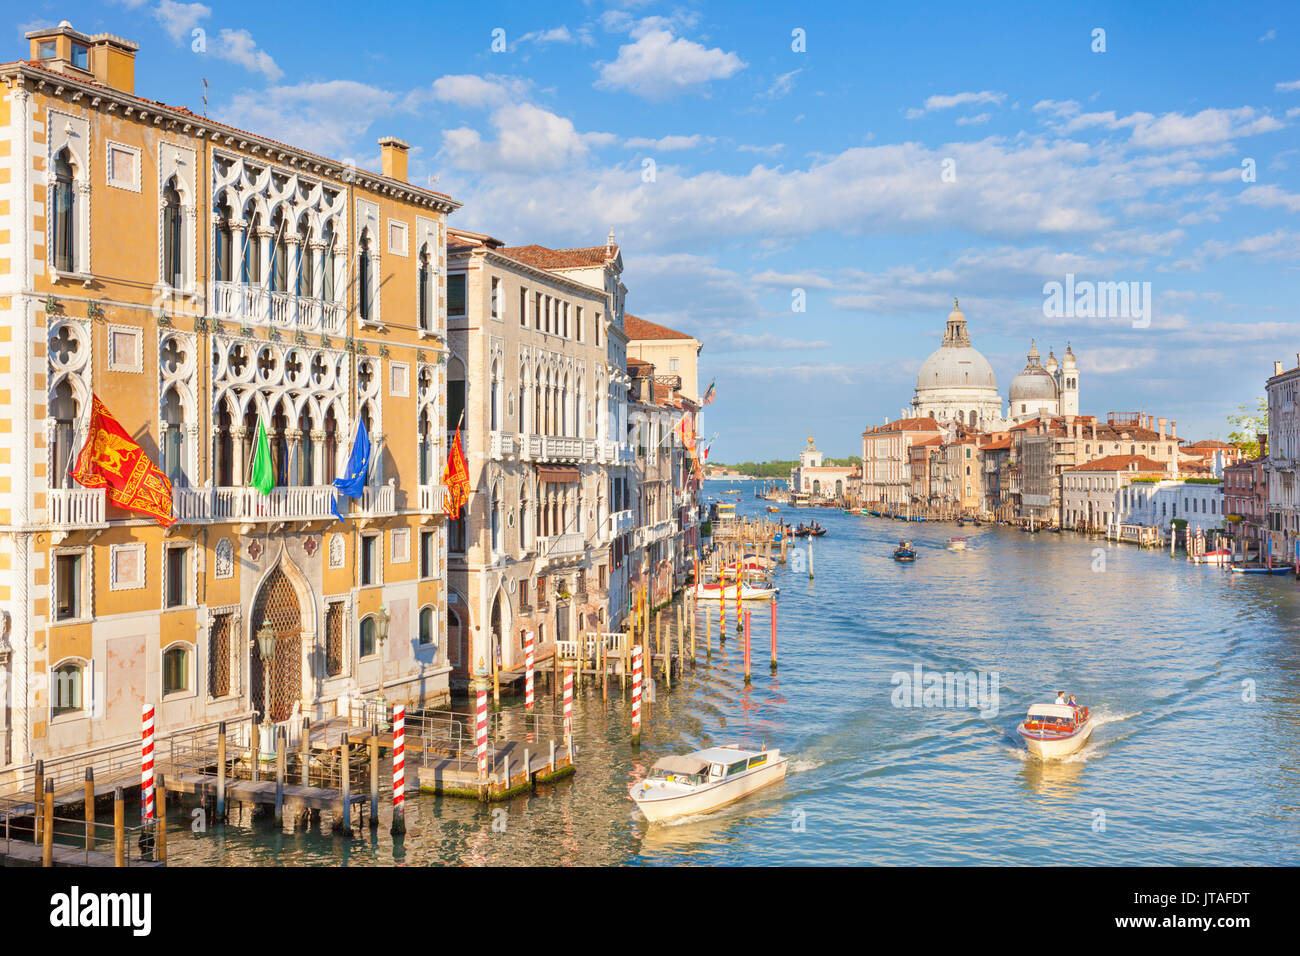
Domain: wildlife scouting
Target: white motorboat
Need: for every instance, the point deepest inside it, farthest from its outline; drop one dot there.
(705, 780)
(956, 544)
(1055, 730)
(749, 591)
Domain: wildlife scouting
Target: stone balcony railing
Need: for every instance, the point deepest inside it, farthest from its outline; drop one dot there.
(289, 503)
(561, 547)
(433, 499)
(558, 448)
(76, 509)
(282, 310)
(502, 445)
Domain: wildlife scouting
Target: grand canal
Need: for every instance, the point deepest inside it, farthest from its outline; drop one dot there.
(1195, 675)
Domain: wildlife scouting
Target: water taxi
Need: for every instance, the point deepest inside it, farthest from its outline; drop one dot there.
(1055, 730)
(1219, 556)
(956, 544)
(772, 509)
(705, 780)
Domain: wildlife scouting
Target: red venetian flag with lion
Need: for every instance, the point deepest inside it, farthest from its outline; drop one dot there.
(455, 475)
(111, 459)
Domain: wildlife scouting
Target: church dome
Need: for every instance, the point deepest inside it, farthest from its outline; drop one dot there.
(1034, 383)
(956, 364)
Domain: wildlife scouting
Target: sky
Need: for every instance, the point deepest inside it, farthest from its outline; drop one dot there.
(807, 187)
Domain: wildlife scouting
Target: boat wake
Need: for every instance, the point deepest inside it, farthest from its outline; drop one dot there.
(1093, 748)
(803, 766)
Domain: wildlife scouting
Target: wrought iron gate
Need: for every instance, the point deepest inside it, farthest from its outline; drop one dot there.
(277, 605)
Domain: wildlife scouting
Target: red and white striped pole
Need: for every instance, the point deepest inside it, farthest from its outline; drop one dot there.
(399, 768)
(146, 762)
(636, 695)
(480, 728)
(746, 647)
(568, 710)
(774, 634)
(528, 671)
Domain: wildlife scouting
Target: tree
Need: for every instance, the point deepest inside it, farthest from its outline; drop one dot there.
(1247, 426)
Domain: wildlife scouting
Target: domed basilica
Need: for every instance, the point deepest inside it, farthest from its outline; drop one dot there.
(956, 384)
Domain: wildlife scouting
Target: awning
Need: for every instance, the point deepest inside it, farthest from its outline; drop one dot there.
(560, 474)
(683, 765)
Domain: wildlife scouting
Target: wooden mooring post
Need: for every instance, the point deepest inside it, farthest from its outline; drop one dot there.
(47, 829)
(345, 784)
(374, 776)
(304, 752)
(119, 827)
(160, 824)
(281, 745)
(221, 771)
(38, 788)
(89, 814)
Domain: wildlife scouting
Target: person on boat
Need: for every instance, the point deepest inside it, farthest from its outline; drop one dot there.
(1060, 697)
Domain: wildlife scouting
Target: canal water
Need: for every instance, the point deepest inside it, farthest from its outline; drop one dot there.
(1194, 674)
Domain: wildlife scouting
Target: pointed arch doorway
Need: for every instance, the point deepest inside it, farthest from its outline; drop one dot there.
(276, 604)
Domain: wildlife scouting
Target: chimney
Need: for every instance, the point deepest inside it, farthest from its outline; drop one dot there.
(1277, 368)
(393, 154)
(1094, 429)
(1163, 422)
(113, 61)
(1262, 439)
(1173, 428)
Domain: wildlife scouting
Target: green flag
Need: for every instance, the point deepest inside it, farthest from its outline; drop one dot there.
(263, 475)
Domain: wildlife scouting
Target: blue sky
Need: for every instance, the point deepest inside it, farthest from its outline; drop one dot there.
(823, 170)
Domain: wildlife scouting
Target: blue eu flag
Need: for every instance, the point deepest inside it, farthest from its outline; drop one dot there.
(354, 477)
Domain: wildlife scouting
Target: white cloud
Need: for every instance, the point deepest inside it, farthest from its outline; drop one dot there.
(949, 101)
(474, 92)
(668, 143)
(327, 117)
(527, 138)
(1269, 196)
(974, 120)
(783, 84)
(558, 34)
(178, 19)
(238, 46)
(1270, 35)
(658, 66)
(1288, 87)
(726, 340)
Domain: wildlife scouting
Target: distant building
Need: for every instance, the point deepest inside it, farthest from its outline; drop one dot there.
(886, 458)
(669, 351)
(1094, 493)
(820, 481)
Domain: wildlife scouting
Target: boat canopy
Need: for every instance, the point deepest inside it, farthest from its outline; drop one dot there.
(682, 765)
(1052, 710)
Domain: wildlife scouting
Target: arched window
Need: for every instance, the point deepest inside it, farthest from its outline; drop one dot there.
(366, 637)
(364, 303)
(66, 688)
(65, 411)
(279, 254)
(426, 291)
(525, 517)
(327, 263)
(428, 637)
(280, 445)
(425, 428)
(225, 245)
(331, 447)
(223, 449)
(306, 450)
(64, 209)
(455, 393)
(305, 284)
(496, 519)
(176, 669)
(494, 400)
(173, 450)
(173, 269)
(251, 267)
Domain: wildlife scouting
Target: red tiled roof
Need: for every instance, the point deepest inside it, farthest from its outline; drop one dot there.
(999, 445)
(905, 424)
(639, 328)
(543, 258)
(1121, 463)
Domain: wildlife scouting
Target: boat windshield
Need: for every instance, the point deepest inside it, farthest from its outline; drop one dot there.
(671, 776)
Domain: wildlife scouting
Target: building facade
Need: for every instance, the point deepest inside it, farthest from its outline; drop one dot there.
(201, 280)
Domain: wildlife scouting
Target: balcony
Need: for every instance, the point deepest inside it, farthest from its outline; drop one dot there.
(433, 499)
(75, 509)
(502, 445)
(257, 306)
(560, 548)
(301, 503)
(377, 502)
(623, 522)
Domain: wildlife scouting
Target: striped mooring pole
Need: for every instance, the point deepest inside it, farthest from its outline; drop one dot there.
(773, 633)
(636, 695)
(528, 671)
(568, 710)
(480, 728)
(747, 672)
(399, 768)
(146, 762)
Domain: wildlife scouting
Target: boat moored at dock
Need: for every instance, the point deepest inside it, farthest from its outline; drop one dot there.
(705, 780)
